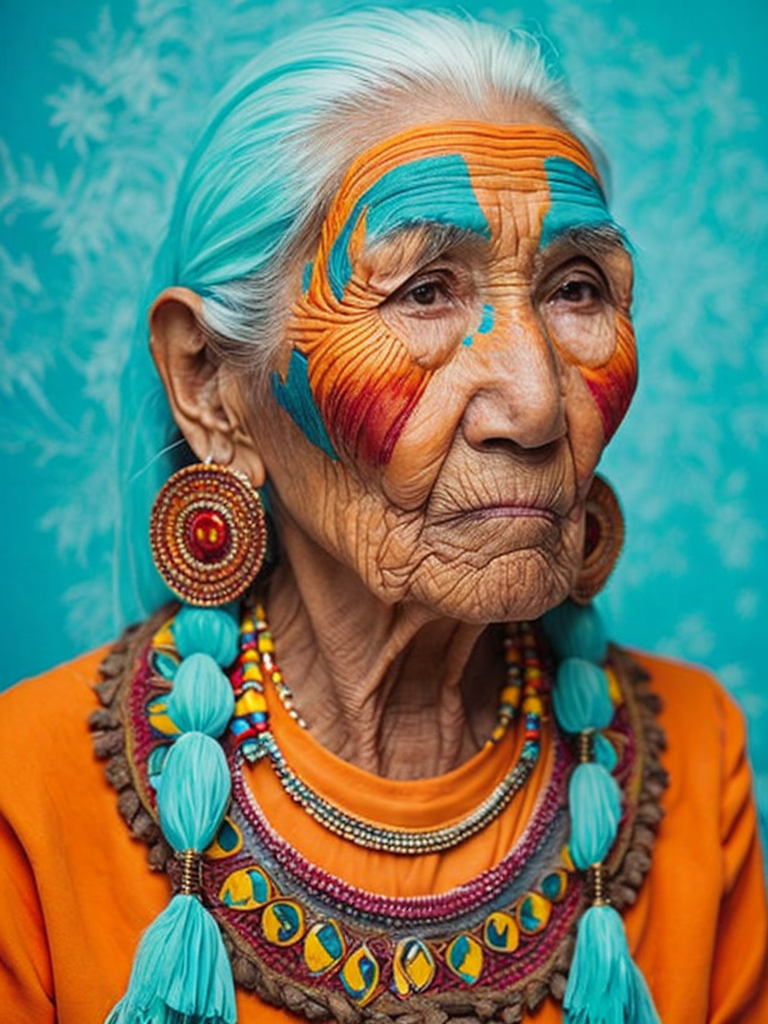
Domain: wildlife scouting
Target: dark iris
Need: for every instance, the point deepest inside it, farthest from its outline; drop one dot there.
(579, 291)
(424, 294)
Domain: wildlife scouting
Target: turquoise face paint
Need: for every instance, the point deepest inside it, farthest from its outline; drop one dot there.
(295, 396)
(306, 277)
(435, 190)
(486, 325)
(577, 200)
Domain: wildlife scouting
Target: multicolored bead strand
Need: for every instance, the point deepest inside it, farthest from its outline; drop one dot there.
(525, 691)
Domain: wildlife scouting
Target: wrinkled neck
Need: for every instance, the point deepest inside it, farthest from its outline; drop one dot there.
(392, 689)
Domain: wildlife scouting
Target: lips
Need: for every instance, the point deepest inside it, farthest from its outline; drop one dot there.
(512, 512)
(548, 503)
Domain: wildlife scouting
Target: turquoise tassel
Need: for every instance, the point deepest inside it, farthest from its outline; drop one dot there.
(581, 698)
(193, 792)
(202, 698)
(576, 631)
(594, 802)
(181, 971)
(604, 985)
(206, 631)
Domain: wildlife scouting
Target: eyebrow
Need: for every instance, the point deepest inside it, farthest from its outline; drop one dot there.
(592, 239)
(431, 189)
(436, 238)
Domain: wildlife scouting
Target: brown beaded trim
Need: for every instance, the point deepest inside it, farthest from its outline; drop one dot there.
(626, 868)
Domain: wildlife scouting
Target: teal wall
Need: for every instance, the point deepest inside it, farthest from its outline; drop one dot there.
(99, 103)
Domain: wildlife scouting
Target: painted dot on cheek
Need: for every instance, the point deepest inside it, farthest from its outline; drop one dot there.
(486, 324)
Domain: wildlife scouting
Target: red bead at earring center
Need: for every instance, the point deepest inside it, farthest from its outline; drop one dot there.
(208, 535)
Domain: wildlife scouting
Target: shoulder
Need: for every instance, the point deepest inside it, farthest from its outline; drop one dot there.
(50, 700)
(45, 743)
(710, 795)
(694, 703)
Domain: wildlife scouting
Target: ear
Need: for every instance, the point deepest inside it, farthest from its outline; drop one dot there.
(205, 400)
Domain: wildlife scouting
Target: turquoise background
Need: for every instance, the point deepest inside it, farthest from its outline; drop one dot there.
(99, 106)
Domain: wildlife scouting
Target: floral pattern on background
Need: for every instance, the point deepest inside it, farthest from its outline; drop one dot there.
(78, 228)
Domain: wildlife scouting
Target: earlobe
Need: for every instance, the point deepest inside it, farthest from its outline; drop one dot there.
(199, 391)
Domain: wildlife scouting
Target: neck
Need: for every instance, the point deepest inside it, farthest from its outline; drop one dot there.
(392, 689)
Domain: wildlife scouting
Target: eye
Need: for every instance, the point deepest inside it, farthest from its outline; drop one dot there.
(432, 311)
(424, 294)
(429, 295)
(578, 292)
(578, 312)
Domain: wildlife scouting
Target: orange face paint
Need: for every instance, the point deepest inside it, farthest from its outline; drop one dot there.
(513, 191)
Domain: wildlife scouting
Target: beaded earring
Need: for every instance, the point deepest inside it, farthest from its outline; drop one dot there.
(603, 540)
(208, 534)
(208, 537)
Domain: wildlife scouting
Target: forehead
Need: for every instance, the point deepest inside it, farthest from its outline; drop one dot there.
(456, 174)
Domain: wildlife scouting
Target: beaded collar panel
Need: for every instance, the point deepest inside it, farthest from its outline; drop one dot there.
(303, 938)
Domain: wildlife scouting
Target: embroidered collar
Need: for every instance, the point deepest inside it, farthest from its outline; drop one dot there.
(304, 938)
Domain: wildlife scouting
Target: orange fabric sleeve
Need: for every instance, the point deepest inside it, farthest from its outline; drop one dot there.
(699, 927)
(740, 964)
(76, 893)
(26, 987)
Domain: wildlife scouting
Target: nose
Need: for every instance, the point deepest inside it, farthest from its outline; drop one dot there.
(518, 388)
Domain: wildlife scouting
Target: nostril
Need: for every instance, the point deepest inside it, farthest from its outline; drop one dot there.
(533, 454)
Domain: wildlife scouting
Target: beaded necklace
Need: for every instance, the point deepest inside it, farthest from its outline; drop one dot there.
(525, 689)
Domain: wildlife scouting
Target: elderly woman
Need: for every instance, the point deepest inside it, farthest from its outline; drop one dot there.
(393, 770)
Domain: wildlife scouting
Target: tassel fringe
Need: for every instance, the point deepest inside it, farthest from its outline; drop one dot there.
(604, 984)
(181, 972)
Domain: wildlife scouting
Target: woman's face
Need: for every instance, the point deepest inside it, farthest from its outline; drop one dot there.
(459, 355)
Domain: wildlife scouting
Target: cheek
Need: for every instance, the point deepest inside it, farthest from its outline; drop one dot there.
(612, 385)
(362, 378)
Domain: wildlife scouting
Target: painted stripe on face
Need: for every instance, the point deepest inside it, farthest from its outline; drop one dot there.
(435, 190)
(306, 277)
(613, 384)
(295, 396)
(577, 200)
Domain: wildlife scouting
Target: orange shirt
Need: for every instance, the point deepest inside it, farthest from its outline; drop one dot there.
(76, 891)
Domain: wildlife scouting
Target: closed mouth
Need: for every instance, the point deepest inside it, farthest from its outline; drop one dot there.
(512, 512)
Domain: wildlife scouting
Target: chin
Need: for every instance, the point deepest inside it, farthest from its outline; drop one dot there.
(513, 588)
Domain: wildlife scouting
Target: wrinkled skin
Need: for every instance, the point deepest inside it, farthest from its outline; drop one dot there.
(457, 499)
